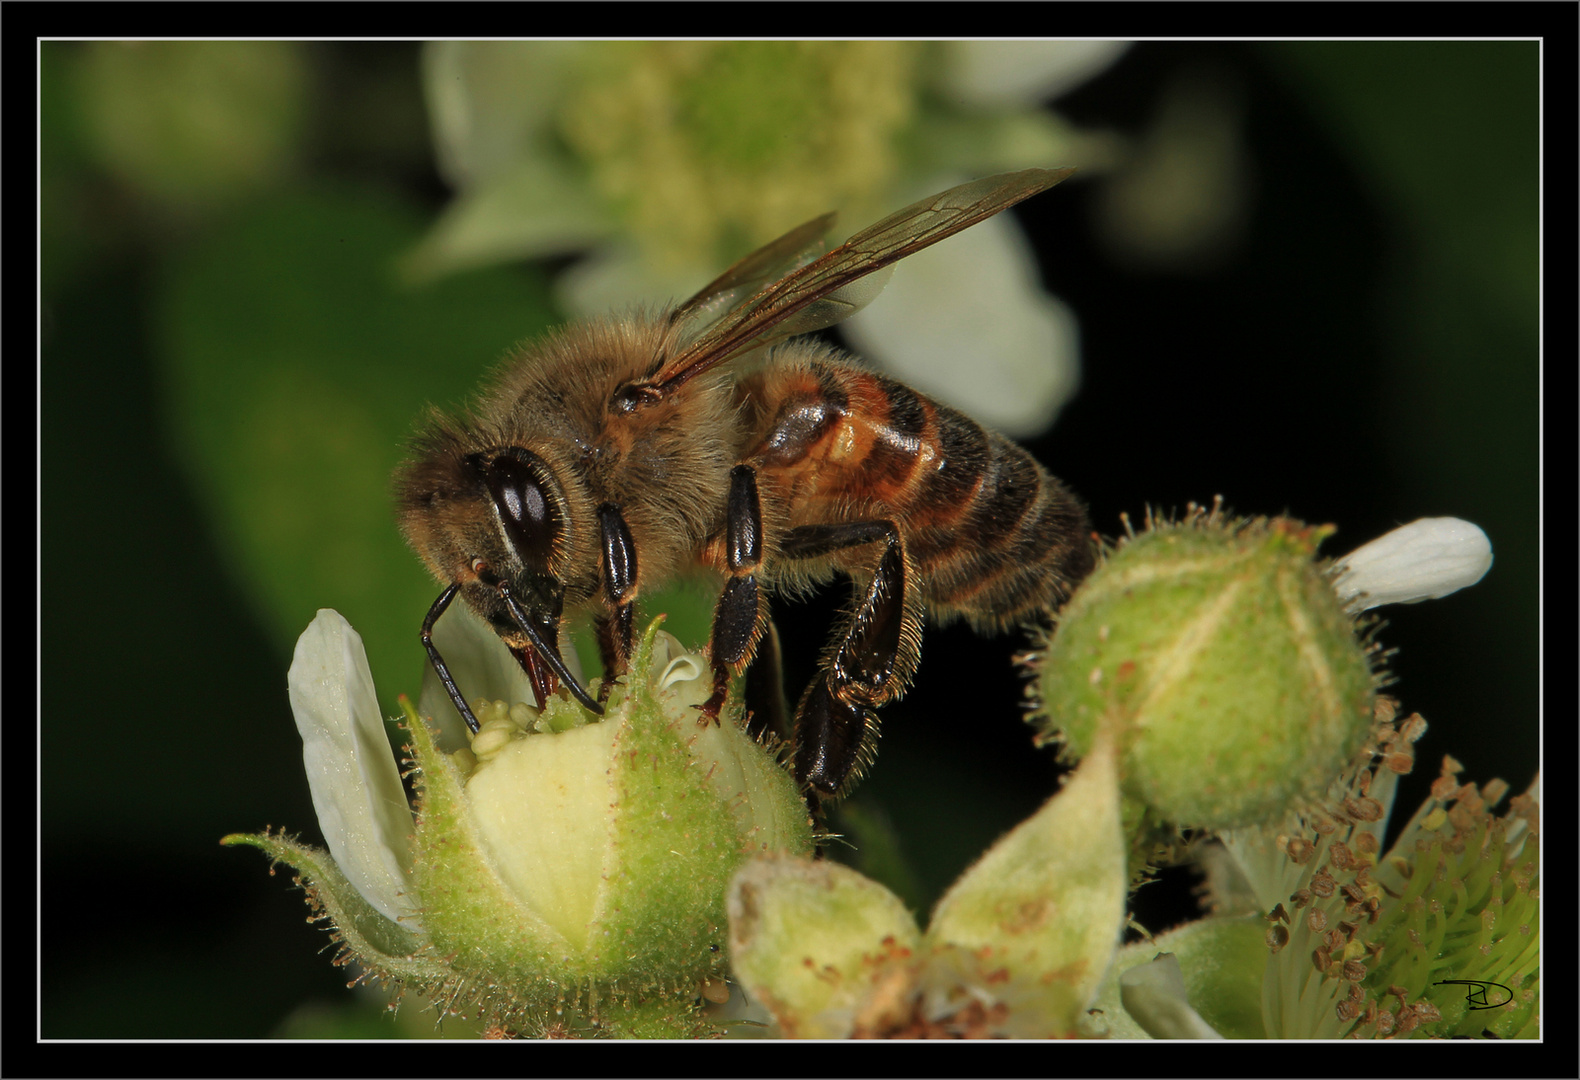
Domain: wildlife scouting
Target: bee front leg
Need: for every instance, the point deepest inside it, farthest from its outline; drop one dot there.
(872, 664)
(439, 665)
(738, 619)
(619, 586)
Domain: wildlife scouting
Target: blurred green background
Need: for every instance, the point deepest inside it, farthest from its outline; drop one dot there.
(1343, 324)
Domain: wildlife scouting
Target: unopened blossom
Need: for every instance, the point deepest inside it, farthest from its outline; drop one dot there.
(560, 869)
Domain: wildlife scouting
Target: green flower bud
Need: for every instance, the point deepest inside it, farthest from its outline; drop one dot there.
(559, 860)
(1016, 948)
(597, 853)
(1220, 655)
(827, 951)
(195, 125)
(1025, 936)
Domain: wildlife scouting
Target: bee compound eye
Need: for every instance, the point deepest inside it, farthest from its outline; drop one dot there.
(517, 481)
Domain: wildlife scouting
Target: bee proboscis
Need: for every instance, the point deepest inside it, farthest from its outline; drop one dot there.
(615, 453)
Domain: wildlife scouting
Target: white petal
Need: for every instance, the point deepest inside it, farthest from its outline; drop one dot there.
(1014, 72)
(351, 770)
(674, 664)
(615, 277)
(1423, 560)
(967, 322)
(536, 209)
(491, 103)
(685, 675)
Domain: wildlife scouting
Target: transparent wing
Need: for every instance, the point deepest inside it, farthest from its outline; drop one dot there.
(773, 260)
(900, 234)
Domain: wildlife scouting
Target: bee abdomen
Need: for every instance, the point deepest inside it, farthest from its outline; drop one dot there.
(993, 536)
(990, 535)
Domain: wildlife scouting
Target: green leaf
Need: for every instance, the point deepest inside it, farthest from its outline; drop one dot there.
(296, 367)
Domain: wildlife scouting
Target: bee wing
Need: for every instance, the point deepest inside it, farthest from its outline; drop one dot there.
(773, 260)
(900, 234)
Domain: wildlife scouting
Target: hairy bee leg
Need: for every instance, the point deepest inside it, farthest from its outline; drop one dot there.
(833, 737)
(604, 632)
(739, 617)
(767, 711)
(836, 725)
(434, 658)
(615, 633)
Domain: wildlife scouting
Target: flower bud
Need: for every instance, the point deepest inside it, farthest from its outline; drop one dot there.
(559, 860)
(597, 853)
(828, 952)
(1220, 654)
(1028, 931)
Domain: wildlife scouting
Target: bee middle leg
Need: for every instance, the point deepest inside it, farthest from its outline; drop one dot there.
(743, 635)
(742, 611)
(871, 664)
(767, 711)
(619, 586)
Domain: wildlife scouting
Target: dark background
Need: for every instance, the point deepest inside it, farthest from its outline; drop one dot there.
(1365, 354)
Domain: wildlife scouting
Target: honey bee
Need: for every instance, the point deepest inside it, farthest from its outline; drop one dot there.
(616, 453)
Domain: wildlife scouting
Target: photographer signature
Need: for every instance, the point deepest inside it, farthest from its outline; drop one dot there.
(1476, 994)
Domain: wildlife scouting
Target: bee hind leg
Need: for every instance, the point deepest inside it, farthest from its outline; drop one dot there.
(871, 664)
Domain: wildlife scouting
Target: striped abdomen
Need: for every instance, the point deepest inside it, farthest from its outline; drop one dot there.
(989, 534)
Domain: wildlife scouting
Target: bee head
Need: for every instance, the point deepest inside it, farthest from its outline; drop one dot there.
(494, 524)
